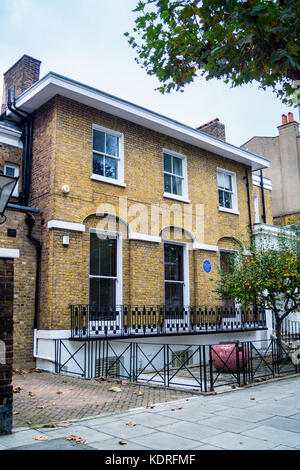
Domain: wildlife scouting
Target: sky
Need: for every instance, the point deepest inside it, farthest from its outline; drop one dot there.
(84, 40)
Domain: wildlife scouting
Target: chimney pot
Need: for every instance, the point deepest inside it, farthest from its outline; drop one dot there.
(290, 117)
(284, 119)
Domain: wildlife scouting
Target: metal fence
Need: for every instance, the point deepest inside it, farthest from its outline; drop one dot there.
(201, 368)
(89, 321)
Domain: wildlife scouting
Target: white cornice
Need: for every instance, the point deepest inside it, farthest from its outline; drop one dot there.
(144, 237)
(9, 253)
(203, 246)
(53, 84)
(64, 225)
(10, 136)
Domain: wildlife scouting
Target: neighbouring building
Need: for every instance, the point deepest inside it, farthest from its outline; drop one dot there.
(283, 151)
(119, 223)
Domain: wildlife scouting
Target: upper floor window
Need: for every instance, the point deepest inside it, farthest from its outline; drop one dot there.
(175, 175)
(108, 165)
(13, 170)
(227, 190)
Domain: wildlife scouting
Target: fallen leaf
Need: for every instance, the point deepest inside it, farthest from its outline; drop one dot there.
(54, 403)
(115, 389)
(138, 394)
(233, 386)
(16, 412)
(131, 424)
(31, 394)
(29, 422)
(41, 438)
(58, 392)
(50, 425)
(17, 389)
(213, 393)
(124, 382)
(75, 438)
(150, 406)
(252, 398)
(123, 443)
(40, 407)
(180, 407)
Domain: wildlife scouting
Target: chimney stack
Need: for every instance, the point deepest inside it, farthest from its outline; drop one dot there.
(290, 117)
(24, 73)
(283, 119)
(215, 128)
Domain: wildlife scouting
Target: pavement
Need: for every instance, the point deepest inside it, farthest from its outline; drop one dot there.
(42, 398)
(261, 417)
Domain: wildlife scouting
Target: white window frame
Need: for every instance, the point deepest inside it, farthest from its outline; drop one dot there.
(17, 174)
(119, 276)
(186, 271)
(120, 159)
(234, 209)
(184, 197)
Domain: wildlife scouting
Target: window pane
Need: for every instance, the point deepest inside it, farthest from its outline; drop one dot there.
(227, 182)
(111, 167)
(221, 199)
(9, 171)
(167, 163)
(102, 293)
(99, 141)
(102, 256)
(228, 200)
(173, 262)
(177, 166)
(168, 183)
(220, 179)
(173, 295)
(98, 164)
(177, 185)
(112, 145)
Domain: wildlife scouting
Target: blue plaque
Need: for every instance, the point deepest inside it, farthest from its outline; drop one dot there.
(206, 266)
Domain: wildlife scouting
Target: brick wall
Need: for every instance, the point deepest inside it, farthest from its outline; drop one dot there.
(62, 154)
(6, 336)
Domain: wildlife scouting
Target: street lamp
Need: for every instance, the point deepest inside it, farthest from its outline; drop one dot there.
(7, 185)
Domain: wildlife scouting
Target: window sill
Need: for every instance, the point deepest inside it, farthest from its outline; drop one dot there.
(103, 179)
(229, 211)
(176, 198)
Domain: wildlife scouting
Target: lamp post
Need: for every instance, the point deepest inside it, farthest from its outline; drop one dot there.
(7, 186)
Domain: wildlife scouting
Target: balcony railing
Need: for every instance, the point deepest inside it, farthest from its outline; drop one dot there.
(88, 321)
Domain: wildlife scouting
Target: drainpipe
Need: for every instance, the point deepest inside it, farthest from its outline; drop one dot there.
(246, 177)
(262, 196)
(30, 221)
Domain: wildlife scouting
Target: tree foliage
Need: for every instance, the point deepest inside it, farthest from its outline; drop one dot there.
(235, 40)
(269, 278)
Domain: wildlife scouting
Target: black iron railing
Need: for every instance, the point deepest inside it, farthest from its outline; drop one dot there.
(201, 368)
(290, 330)
(88, 321)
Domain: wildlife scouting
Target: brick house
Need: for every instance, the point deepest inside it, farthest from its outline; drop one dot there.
(120, 220)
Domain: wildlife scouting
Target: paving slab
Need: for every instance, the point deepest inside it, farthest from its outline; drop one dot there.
(253, 417)
(154, 420)
(20, 438)
(165, 441)
(121, 430)
(232, 441)
(113, 444)
(278, 436)
(82, 431)
(55, 444)
(286, 424)
(228, 424)
(191, 430)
